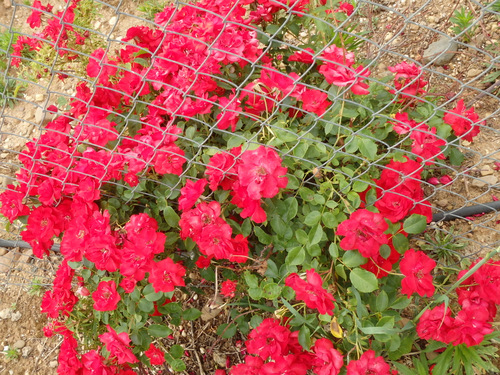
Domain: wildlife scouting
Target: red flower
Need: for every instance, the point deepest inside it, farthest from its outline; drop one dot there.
(305, 56)
(315, 101)
(368, 364)
(403, 124)
(252, 366)
(426, 144)
(228, 288)
(155, 355)
(363, 231)
(416, 266)
(190, 193)
(408, 80)
(166, 275)
(463, 121)
(12, 204)
(327, 359)
(311, 291)
(106, 297)
(269, 340)
(118, 345)
(470, 331)
(437, 324)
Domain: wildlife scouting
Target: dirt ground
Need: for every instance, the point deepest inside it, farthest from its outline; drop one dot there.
(399, 29)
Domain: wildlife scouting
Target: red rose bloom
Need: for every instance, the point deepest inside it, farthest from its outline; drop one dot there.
(118, 345)
(166, 275)
(368, 364)
(416, 266)
(311, 291)
(228, 287)
(155, 355)
(327, 359)
(463, 121)
(106, 297)
(363, 231)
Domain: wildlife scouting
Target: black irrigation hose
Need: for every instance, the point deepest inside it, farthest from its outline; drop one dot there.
(467, 211)
(24, 245)
(442, 216)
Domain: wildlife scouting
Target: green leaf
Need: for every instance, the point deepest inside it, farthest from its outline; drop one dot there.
(305, 337)
(251, 280)
(227, 330)
(352, 258)
(171, 217)
(329, 220)
(278, 226)
(255, 293)
(400, 242)
(301, 236)
(333, 249)
(382, 301)
(191, 314)
(263, 237)
(415, 224)
(312, 218)
(146, 306)
(363, 280)
(296, 256)
(368, 148)
(271, 291)
(176, 351)
(154, 296)
(157, 330)
(315, 234)
(177, 365)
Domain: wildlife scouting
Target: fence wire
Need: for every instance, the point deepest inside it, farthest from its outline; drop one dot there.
(388, 32)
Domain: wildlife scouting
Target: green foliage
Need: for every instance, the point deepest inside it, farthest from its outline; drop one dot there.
(149, 8)
(463, 19)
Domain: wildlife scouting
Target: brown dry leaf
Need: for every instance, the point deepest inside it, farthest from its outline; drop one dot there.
(212, 309)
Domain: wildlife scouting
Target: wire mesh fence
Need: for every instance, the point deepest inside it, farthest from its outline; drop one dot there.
(109, 96)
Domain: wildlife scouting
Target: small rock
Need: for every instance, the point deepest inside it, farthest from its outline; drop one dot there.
(486, 180)
(112, 20)
(486, 170)
(3, 155)
(440, 52)
(16, 316)
(442, 202)
(5, 314)
(19, 344)
(7, 4)
(3, 251)
(53, 364)
(39, 97)
(26, 351)
(474, 73)
(219, 359)
(39, 114)
(97, 25)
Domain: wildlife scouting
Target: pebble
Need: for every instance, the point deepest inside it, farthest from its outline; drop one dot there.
(7, 4)
(19, 344)
(26, 351)
(39, 97)
(53, 364)
(486, 180)
(16, 316)
(5, 314)
(474, 72)
(486, 170)
(112, 20)
(97, 25)
(442, 202)
(440, 52)
(3, 251)
(39, 115)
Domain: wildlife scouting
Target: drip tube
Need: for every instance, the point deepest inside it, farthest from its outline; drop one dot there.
(467, 211)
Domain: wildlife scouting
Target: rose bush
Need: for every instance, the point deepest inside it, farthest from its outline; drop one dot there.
(248, 137)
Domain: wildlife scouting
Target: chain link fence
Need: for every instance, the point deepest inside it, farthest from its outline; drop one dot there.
(463, 64)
